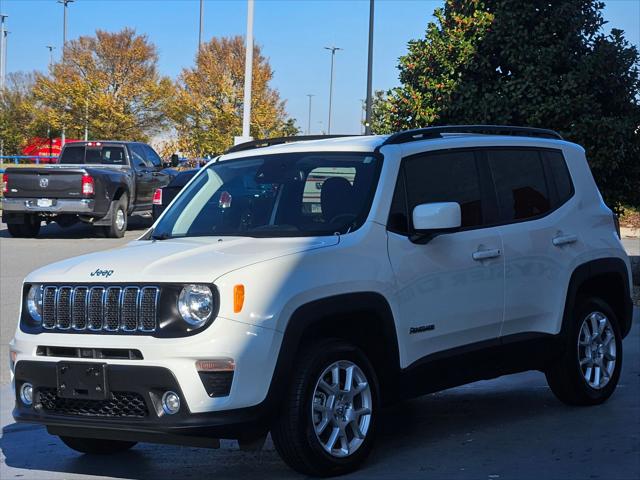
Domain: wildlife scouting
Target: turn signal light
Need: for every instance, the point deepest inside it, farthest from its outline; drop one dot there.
(157, 197)
(5, 182)
(88, 185)
(238, 298)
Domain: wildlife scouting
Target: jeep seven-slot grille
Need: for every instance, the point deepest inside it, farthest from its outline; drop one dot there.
(100, 309)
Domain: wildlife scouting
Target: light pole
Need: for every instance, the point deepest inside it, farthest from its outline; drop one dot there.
(3, 52)
(310, 95)
(51, 48)
(367, 120)
(333, 54)
(363, 108)
(64, 24)
(248, 74)
(200, 30)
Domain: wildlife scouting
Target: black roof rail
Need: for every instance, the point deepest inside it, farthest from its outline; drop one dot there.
(436, 132)
(268, 142)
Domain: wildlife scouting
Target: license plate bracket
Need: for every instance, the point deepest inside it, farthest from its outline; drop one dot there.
(83, 381)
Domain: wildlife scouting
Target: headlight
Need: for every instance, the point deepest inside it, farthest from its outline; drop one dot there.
(34, 302)
(196, 304)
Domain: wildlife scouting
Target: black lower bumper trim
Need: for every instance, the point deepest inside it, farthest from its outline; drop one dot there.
(184, 427)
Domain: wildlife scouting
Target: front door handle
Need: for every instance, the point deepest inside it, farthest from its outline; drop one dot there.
(486, 254)
(564, 240)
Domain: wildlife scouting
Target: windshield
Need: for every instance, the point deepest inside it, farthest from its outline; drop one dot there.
(301, 194)
(79, 154)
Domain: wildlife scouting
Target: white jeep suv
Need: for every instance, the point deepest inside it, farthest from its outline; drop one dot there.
(296, 288)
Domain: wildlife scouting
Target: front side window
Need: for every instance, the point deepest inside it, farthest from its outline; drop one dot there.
(301, 194)
(152, 156)
(520, 183)
(446, 177)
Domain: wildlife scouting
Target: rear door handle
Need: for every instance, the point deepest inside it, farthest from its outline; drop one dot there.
(564, 240)
(486, 254)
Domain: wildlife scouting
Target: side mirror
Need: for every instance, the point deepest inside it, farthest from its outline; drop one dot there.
(175, 160)
(432, 219)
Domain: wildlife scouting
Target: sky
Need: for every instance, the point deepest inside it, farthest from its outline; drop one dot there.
(292, 34)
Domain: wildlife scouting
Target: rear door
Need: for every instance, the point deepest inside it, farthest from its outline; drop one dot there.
(448, 295)
(540, 234)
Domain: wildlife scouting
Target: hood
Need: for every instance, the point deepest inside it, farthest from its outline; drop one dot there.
(196, 259)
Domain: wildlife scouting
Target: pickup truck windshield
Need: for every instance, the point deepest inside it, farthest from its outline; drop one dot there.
(300, 194)
(81, 154)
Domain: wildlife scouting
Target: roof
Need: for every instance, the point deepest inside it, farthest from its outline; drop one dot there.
(356, 143)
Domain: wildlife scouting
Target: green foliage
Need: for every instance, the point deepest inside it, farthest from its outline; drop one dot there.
(536, 63)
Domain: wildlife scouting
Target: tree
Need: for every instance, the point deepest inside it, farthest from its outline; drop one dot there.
(16, 112)
(538, 63)
(109, 82)
(207, 111)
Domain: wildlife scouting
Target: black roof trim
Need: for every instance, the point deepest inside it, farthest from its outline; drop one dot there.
(268, 142)
(436, 132)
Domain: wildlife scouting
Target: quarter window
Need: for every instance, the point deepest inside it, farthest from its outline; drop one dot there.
(560, 176)
(520, 182)
(446, 177)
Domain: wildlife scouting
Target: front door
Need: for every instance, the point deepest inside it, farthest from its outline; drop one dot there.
(450, 291)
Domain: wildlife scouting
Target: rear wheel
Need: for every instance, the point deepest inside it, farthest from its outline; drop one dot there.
(95, 446)
(327, 423)
(588, 372)
(29, 229)
(118, 225)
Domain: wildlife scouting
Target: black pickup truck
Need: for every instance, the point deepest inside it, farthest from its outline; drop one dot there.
(99, 183)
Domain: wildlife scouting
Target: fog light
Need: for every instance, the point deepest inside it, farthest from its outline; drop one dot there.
(170, 403)
(26, 394)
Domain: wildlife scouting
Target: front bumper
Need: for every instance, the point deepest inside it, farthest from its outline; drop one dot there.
(149, 383)
(30, 205)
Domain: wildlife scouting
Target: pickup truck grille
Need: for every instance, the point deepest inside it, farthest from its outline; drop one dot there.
(98, 309)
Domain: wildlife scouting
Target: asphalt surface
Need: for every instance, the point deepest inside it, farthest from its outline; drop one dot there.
(511, 427)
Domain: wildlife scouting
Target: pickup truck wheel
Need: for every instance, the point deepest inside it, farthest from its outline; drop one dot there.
(118, 218)
(95, 446)
(327, 423)
(29, 229)
(588, 371)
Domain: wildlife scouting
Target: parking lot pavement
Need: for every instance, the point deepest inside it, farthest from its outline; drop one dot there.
(511, 427)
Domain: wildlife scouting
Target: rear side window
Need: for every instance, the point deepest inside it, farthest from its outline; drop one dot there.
(520, 182)
(446, 177)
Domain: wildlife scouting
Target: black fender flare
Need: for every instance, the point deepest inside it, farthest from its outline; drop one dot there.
(338, 306)
(592, 269)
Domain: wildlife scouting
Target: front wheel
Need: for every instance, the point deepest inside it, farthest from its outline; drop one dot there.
(96, 446)
(327, 423)
(588, 372)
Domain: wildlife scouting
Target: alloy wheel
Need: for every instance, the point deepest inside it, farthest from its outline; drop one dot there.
(597, 350)
(341, 409)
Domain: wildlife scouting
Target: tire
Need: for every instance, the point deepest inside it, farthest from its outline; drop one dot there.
(567, 377)
(118, 225)
(294, 432)
(95, 446)
(29, 229)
